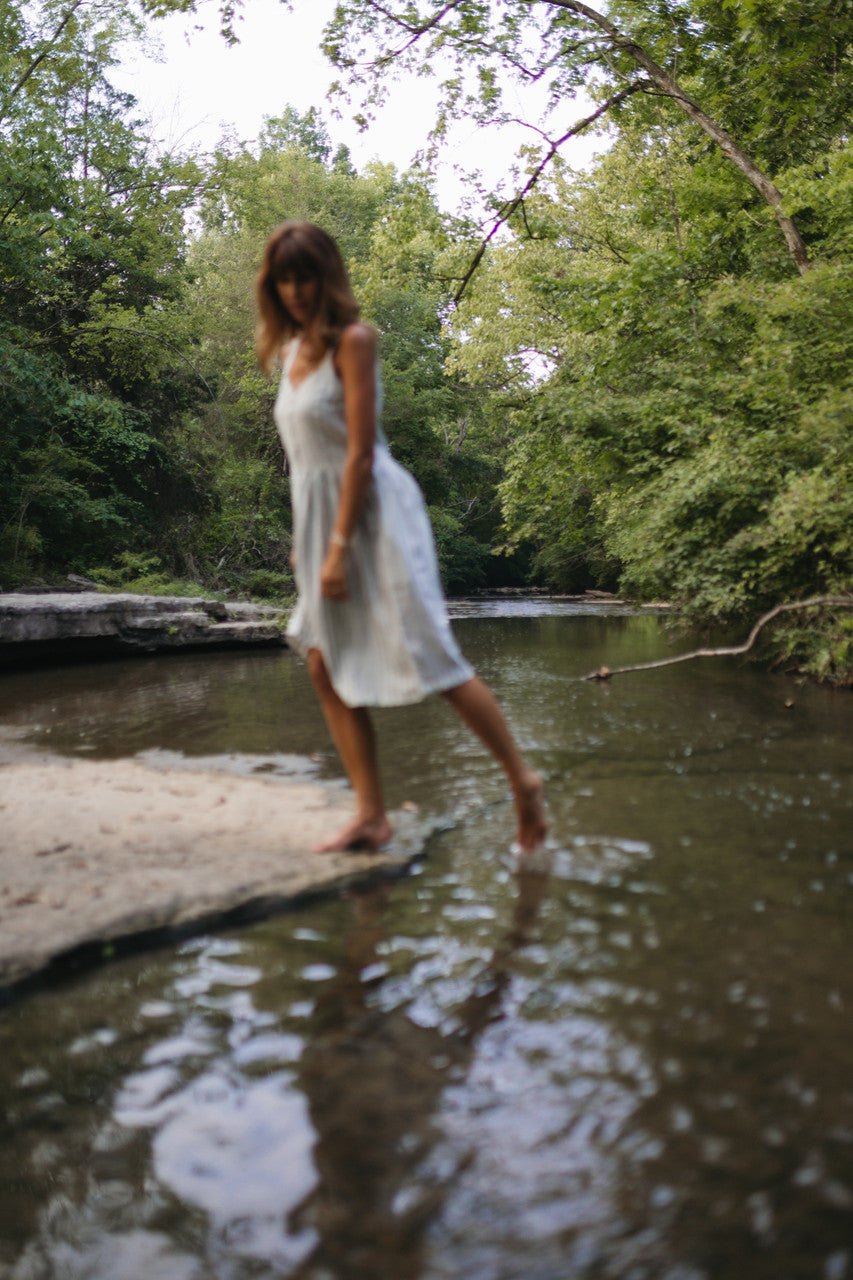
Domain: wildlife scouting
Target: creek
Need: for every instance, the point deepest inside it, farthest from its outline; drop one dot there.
(638, 1066)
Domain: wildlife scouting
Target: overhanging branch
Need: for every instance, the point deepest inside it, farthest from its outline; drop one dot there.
(617, 40)
(730, 149)
(415, 32)
(511, 206)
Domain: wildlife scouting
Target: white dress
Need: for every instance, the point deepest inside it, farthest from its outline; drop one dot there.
(390, 643)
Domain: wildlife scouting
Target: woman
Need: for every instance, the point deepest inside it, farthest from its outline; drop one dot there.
(370, 617)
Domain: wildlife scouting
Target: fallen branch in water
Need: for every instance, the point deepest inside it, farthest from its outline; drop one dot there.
(727, 651)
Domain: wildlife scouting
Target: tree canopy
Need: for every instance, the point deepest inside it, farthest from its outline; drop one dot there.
(673, 399)
(708, 61)
(91, 261)
(624, 378)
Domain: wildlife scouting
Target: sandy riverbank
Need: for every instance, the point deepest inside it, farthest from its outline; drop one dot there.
(93, 852)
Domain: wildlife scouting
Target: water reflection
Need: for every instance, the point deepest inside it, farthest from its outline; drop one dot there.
(641, 1070)
(194, 704)
(373, 1078)
(309, 1152)
(520, 606)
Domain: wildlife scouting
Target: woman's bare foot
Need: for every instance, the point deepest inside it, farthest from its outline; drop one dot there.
(362, 835)
(530, 810)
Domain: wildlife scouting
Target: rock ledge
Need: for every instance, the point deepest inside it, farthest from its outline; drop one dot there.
(97, 856)
(59, 626)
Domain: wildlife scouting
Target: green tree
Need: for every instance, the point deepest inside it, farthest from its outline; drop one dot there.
(569, 46)
(393, 238)
(685, 422)
(91, 262)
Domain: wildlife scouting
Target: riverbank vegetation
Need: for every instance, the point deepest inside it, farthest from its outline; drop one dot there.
(644, 385)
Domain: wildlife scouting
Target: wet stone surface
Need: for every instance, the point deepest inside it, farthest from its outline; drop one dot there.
(97, 853)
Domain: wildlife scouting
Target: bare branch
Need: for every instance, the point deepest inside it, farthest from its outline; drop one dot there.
(525, 124)
(512, 205)
(728, 651)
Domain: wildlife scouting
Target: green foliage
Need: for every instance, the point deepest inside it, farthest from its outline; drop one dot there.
(820, 646)
(677, 409)
(267, 585)
(91, 267)
(761, 509)
(462, 560)
(550, 507)
(141, 574)
(637, 390)
(777, 74)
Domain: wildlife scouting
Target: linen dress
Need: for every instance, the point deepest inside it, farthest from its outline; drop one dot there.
(390, 643)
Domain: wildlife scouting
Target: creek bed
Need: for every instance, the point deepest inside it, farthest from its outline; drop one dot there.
(637, 1066)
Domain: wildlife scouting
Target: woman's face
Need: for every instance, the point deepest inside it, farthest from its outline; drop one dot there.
(299, 297)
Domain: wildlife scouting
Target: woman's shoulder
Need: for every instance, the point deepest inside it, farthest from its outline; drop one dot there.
(357, 348)
(357, 339)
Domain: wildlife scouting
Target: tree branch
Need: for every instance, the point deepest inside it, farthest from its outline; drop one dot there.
(727, 144)
(727, 651)
(36, 62)
(619, 41)
(415, 32)
(512, 205)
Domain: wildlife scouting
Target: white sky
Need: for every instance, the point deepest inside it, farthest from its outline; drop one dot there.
(200, 88)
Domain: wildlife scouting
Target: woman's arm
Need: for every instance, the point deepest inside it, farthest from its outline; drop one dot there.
(355, 363)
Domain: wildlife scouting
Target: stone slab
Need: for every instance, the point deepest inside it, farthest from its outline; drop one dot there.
(51, 626)
(92, 852)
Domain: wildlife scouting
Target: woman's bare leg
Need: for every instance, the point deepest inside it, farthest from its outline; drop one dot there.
(478, 707)
(352, 733)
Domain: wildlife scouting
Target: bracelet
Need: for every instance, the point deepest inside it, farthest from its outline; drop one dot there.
(338, 539)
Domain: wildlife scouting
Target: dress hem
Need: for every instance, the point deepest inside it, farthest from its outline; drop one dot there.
(465, 673)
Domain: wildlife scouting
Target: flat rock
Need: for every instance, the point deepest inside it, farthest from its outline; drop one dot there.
(96, 853)
(53, 626)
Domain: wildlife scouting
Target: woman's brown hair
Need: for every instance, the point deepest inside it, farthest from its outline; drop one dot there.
(301, 251)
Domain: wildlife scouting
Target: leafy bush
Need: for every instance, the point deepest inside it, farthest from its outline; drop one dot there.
(142, 574)
(462, 560)
(762, 509)
(266, 584)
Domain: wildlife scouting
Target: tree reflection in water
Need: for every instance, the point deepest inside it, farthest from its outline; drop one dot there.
(373, 1079)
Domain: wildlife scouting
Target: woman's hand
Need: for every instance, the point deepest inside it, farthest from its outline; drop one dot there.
(333, 575)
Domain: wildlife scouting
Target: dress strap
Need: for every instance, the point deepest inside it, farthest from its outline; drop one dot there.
(290, 349)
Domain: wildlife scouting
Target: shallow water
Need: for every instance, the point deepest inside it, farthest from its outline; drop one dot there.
(639, 1066)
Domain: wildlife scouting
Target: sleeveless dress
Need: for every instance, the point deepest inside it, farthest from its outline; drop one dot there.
(390, 643)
